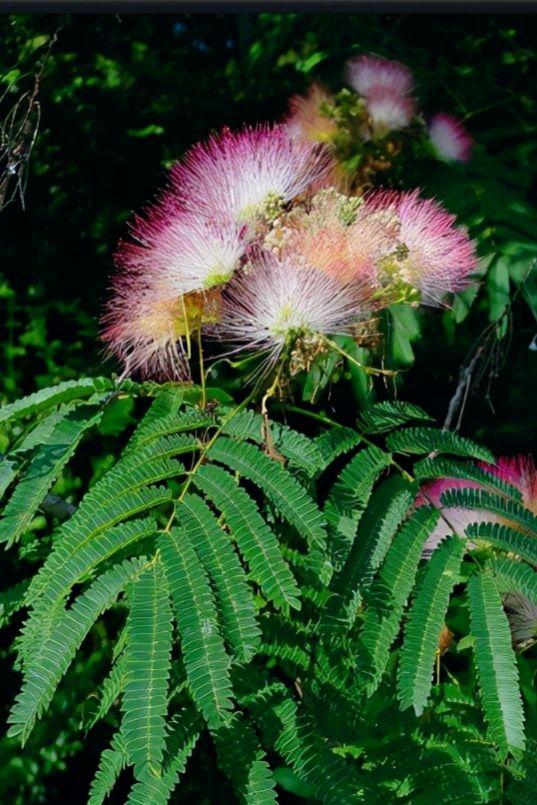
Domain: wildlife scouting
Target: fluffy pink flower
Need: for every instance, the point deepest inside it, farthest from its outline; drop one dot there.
(145, 334)
(180, 252)
(340, 237)
(450, 139)
(368, 74)
(389, 111)
(307, 118)
(273, 302)
(436, 256)
(235, 175)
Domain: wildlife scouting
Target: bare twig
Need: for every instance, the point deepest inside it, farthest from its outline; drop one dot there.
(18, 133)
(487, 353)
(458, 401)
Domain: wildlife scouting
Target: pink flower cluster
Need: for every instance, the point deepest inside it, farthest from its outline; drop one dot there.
(519, 472)
(251, 244)
(386, 88)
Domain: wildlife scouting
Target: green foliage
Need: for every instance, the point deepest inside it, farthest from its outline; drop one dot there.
(425, 624)
(206, 661)
(496, 665)
(238, 571)
(428, 440)
(389, 594)
(147, 669)
(113, 83)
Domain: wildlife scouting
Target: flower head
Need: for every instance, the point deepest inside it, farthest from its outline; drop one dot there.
(308, 118)
(337, 235)
(389, 111)
(243, 175)
(146, 332)
(436, 257)
(274, 302)
(180, 252)
(449, 138)
(369, 74)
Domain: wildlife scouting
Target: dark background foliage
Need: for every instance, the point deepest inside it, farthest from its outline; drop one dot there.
(122, 97)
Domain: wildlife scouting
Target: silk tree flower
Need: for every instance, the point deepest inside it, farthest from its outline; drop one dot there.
(180, 252)
(337, 235)
(308, 117)
(388, 111)
(274, 305)
(449, 138)
(251, 173)
(520, 472)
(147, 334)
(368, 74)
(435, 257)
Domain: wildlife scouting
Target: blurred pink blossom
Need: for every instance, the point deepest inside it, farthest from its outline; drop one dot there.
(450, 139)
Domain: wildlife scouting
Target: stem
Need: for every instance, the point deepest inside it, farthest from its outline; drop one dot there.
(367, 369)
(311, 414)
(202, 370)
(204, 449)
(187, 330)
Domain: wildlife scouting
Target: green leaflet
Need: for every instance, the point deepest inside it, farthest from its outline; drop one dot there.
(384, 416)
(164, 419)
(425, 623)
(59, 648)
(390, 592)
(482, 500)
(11, 600)
(333, 443)
(77, 564)
(86, 524)
(157, 790)
(450, 468)
(242, 759)
(111, 764)
(204, 655)
(47, 463)
(387, 508)
(505, 537)
(110, 690)
(233, 594)
(256, 542)
(294, 446)
(513, 576)
(11, 464)
(280, 487)
(299, 743)
(288, 643)
(54, 395)
(348, 499)
(429, 440)
(147, 670)
(496, 665)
